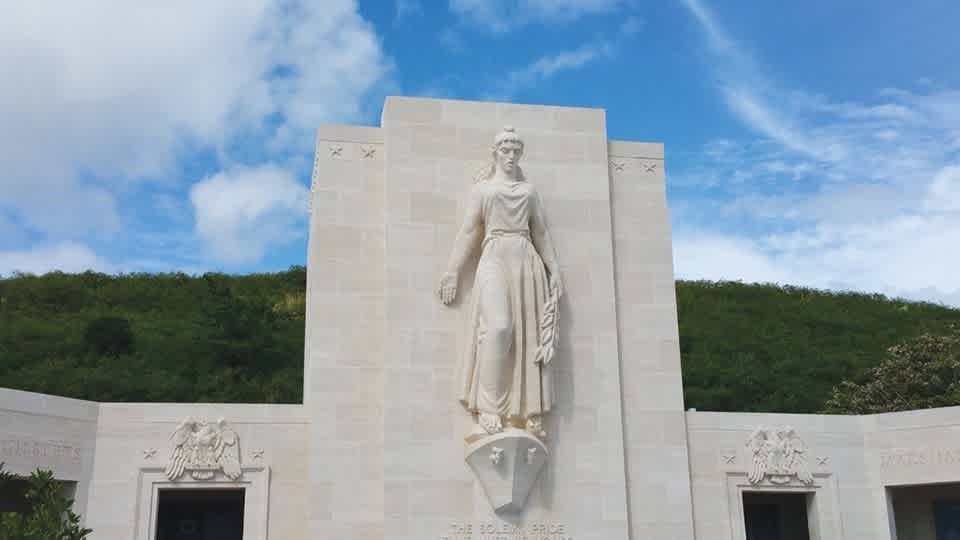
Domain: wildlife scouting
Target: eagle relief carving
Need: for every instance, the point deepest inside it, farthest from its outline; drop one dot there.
(203, 448)
(778, 455)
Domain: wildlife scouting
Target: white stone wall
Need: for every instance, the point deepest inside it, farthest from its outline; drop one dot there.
(54, 433)
(853, 458)
(654, 423)
(344, 355)
(434, 148)
(108, 449)
(272, 437)
(720, 461)
(911, 448)
(376, 450)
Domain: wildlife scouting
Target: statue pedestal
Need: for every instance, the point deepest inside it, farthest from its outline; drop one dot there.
(507, 465)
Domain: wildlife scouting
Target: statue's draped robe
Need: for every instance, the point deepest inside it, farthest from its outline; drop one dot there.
(511, 277)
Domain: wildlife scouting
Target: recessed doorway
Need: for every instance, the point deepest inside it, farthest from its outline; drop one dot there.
(927, 512)
(776, 516)
(200, 514)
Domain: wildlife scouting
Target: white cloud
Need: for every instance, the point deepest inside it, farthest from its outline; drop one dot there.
(67, 257)
(903, 257)
(548, 66)
(944, 192)
(99, 94)
(845, 195)
(770, 122)
(241, 212)
(551, 65)
(504, 15)
(702, 255)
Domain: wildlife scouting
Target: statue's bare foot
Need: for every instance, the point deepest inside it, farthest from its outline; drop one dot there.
(491, 423)
(535, 427)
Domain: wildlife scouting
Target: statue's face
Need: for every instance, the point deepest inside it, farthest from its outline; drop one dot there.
(508, 156)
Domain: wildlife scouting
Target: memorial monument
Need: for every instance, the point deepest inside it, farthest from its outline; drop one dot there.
(491, 352)
(512, 325)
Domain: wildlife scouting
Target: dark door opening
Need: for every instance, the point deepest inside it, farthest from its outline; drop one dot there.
(776, 516)
(200, 514)
(946, 517)
(926, 512)
(13, 494)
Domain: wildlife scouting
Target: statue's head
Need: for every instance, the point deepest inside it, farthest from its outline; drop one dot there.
(507, 151)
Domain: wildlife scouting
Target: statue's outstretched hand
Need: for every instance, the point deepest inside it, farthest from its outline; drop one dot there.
(447, 291)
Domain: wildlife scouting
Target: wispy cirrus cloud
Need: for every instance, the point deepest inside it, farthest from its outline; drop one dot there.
(501, 16)
(551, 65)
(833, 194)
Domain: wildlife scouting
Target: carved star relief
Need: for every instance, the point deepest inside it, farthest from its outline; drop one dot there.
(650, 167)
(336, 151)
(367, 152)
(258, 454)
(729, 458)
(149, 453)
(823, 460)
(617, 165)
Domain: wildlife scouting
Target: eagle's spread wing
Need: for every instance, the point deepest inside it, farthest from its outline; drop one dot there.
(178, 457)
(228, 451)
(758, 455)
(797, 458)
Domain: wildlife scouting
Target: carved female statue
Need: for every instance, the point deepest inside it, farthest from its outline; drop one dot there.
(504, 377)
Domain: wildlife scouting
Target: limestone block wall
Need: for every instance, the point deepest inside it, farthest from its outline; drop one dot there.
(652, 389)
(53, 433)
(845, 496)
(907, 449)
(344, 350)
(434, 148)
(376, 450)
(133, 446)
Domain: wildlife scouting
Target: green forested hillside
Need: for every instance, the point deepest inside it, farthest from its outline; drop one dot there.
(173, 337)
(166, 337)
(768, 348)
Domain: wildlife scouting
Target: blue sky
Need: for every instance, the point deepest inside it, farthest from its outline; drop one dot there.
(811, 143)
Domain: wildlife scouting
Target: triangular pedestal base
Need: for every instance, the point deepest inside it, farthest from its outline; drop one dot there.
(507, 465)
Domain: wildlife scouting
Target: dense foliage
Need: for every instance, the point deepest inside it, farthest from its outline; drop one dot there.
(783, 349)
(46, 513)
(173, 337)
(919, 374)
(164, 337)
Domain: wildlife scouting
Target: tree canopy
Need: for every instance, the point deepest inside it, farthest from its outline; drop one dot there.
(155, 337)
(766, 348)
(920, 373)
